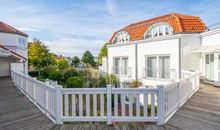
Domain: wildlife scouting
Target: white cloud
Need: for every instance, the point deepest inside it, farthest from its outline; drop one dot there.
(112, 7)
(28, 29)
(72, 47)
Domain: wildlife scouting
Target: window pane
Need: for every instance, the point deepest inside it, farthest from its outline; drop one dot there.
(151, 66)
(211, 57)
(116, 65)
(164, 67)
(155, 31)
(161, 30)
(207, 59)
(124, 66)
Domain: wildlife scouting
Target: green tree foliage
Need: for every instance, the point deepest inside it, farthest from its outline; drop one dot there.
(70, 72)
(75, 61)
(74, 82)
(62, 63)
(39, 55)
(103, 52)
(46, 70)
(55, 75)
(88, 59)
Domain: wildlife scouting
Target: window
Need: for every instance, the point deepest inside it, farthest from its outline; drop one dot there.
(164, 67)
(121, 37)
(22, 42)
(158, 67)
(151, 66)
(158, 29)
(120, 66)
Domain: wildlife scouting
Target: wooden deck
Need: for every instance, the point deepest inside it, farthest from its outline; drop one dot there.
(202, 112)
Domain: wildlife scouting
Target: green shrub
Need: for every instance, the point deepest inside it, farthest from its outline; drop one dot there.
(74, 82)
(55, 75)
(102, 82)
(33, 73)
(112, 79)
(45, 72)
(70, 72)
(41, 78)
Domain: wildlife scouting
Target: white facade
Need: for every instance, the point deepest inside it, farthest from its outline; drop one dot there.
(179, 51)
(13, 55)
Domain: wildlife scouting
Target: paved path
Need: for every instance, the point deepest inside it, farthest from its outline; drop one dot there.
(202, 112)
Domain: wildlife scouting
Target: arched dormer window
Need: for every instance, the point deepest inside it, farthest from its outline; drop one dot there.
(158, 29)
(121, 37)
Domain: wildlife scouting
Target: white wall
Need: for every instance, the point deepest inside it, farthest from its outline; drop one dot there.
(163, 47)
(10, 41)
(4, 67)
(211, 38)
(127, 50)
(189, 60)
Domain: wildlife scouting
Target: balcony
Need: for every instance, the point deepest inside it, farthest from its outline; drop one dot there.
(121, 71)
(157, 73)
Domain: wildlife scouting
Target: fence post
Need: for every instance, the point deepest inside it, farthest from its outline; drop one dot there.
(58, 105)
(161, 105)
(109, 104)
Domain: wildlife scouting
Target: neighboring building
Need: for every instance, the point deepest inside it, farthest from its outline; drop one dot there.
(13, 50)
(158, 50)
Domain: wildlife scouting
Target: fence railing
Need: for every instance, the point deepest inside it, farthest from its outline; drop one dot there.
(107, 104)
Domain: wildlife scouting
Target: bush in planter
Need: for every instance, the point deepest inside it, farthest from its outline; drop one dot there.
(70, 72)
(135, 84)
(41, 78)
(55, 75)
(112, 79)
(45, 72)
(74, 82)
(33, 73)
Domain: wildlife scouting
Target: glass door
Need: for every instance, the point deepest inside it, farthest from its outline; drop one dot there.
(209, 67)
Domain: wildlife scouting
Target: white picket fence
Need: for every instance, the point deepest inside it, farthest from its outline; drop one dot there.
(108, 104)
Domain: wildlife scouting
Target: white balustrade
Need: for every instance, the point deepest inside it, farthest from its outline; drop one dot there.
(108, 104)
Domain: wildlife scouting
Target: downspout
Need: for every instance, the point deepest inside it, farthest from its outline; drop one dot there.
(180, 70)
(136, 62)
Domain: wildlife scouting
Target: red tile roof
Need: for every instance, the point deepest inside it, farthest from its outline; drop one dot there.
(13, 53)
(9, 29)
(179, 22)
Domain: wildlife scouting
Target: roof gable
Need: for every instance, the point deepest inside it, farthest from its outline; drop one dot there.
(9, 29)
(179, 22)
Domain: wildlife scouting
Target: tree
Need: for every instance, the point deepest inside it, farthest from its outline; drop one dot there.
(75, 61)
(39, 55)
(62, 63)
(103, 52)
(88, 58)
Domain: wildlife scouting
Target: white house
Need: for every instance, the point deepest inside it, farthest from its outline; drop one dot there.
(158, 50)
(13, 50)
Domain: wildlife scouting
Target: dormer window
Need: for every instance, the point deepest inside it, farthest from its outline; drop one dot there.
(158, 29)
(121, 37)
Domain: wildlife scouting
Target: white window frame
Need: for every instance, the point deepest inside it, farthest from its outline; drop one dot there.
(121, 36)
(157, 66)
(120, 65)
(157, 26)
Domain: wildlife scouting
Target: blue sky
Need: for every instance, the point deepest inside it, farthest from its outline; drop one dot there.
(70, 27)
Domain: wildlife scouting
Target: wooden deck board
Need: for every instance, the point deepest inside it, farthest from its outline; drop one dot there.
(202, 111)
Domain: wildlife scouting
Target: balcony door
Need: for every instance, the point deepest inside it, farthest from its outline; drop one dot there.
(158, 67)
(209, 67)
(164, 67)
(120, 65)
